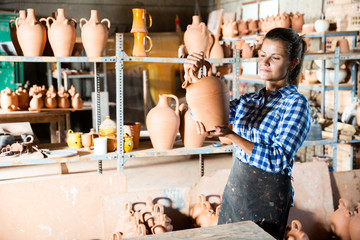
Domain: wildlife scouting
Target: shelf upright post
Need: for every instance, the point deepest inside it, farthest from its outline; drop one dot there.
(59, 80)
(97, 106)
(336, 100)
(236, 72)
(119, 66)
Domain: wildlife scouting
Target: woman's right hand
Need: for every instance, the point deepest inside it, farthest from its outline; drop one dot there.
(194, 62)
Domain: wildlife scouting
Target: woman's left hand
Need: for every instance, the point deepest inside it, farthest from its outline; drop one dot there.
(219, 131)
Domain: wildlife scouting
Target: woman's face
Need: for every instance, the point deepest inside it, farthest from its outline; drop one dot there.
(273, 60)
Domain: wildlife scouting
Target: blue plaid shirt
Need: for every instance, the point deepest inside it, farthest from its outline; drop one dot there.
(277, 127)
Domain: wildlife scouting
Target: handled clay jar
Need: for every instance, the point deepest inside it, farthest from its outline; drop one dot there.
(340, 221)
(208, 99)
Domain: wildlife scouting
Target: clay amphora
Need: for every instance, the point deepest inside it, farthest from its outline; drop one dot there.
(297, 21)
(50, 99)
(229, 29)
(9, 100)
(217, 50)
(76, 102)
(242, 27)
(163, 123)
(343, 44)
(63, 98)
(340, 221)
(253, 26)
(188, 132)
(354, 227)
(208, 99)
(61, 34)
(139, 49)
(13, 34)
(139, 20)
(196, 36)
(36, 102)
(94, 34)
(295, 232)
(23, 98)
(31, 35)
(197, 208)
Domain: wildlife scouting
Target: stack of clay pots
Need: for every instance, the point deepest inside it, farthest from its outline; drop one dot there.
(345, 224)
(203, 214)
(148, 220)
(140, 31)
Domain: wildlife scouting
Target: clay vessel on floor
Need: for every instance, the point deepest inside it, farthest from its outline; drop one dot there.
(208, 99)
(188, 132)
(196, 36)
(61, 33)
(354, 226)
(295, 232)
(197, 208)
(94, 34)
(13, 33)
(31, 35)
(340, 221)
(51, 98)
(23, 98)
(163, 122)
(9, 100)
(36, 102)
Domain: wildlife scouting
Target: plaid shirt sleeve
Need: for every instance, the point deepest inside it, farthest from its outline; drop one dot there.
(291, 133)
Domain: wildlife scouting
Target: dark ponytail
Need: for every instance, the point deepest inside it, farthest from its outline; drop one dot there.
(296, 49)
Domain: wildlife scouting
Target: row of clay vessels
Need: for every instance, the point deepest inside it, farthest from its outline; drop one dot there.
(204, 213)
(29, 35)
(345, 224)
(148, 220)
(231, 29)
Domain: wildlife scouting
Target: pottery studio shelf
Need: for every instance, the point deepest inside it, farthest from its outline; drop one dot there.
(57, 59)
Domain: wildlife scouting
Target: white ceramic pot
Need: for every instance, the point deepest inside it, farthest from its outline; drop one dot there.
(321, 25)
(330, 76)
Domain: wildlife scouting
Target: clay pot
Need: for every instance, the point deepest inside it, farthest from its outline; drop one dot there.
(139, 49)
(61, 34)
(212, 91)
(308, 28)
(188, 132)
(86, 139)
(13, 32)
(205, 218)
(163, 123)
(229, 29)
(242, 27)
(50, 99)
(253, 26)
(133, 129)
(197, 208)
(63, 98)
(31, 35)
(76, 102)
(196, 36)
(217, 50)
(284, 20)
(354, 226)
(23, 98)
(340, 221)
(94, 34)
(139, 20)
(9, 100)
(343, 44)
(247, 51)
(36, 102)
(295, 232)
(72, 91)
(297, 21)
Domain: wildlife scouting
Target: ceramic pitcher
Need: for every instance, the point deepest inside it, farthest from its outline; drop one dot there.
(61, 33)
(139, 20)
(31, 35)
(196, 36)
(13, 32)
(208, 99)
(140, 43)
(188, 132)
(163, 122)
(94, 34)
(295, 232)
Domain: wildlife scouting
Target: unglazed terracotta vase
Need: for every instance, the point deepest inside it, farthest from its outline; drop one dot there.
(208, 99)
(163, 123)
(247, 51)
(36, 102)
(284, 20)
(229, 29)
(354, 226)
(94, 34)
(13, 32)
(295, 232)
(340, 221)
(253, 26)
(63, 98)
(139, 20)
(297, 21)
(139, 49)
(243, 28)
(188, 132)
(23, 98)
(196, 36)
(31, 35)
(196, 210)
(51, 98)
(61, 34)
(343, 44)
(217, 50)
(72, 91)
(76, 102)
(204, 219)
(9, 100)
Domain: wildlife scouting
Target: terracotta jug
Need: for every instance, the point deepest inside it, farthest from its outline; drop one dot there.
(188, 132)
(31, 35)
(61, 34)
(196, 36)
(72, 91)
(23, 98)
(217, 50)
(253, 26)
(247, 51)
(297, 21)
(9, 100)
(295, 232)
(139, 20)
(139, 49)
(243, 28)
(340, 221)
(354, 226)
(36, 102)
(13, 33)
(204, 219)
(163, 123)
(343, 44)
(76, 102)
(63, 98)
(212, 91)
(229, 29)
(197, 209)
(94, 34)
(50, 99)
(284, 20)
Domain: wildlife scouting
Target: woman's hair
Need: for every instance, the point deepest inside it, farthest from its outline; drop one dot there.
(296, 48)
